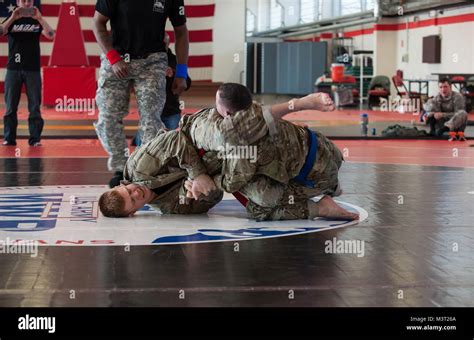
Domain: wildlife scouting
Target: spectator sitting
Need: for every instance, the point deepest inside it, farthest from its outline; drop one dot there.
(446, 112)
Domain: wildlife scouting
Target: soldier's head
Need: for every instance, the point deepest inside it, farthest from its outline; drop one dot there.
(25, 3)
(445, 87)
(231, 98)
(124, 200)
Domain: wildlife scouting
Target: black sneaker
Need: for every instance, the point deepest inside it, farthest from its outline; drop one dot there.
(115, 181)
(7, 143)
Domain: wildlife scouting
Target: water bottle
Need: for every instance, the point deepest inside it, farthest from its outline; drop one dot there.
(374, 132)
(364, 122)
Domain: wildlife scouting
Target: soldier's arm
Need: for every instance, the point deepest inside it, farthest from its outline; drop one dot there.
(236, 173)
(431, 106)
(9, 21)
(313, 101)
(176, 202)
(100, 32)
(179, 147)
(48, 32)
(200, 206)
(459, 103)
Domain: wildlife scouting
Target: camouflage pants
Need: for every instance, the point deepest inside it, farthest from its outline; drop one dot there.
(271, 200)
(458, 122)
(147, 77)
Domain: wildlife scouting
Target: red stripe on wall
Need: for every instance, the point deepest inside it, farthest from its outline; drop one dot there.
(195, 36)
(199, 11)
(194, 61)
(356, 33)
(192, 11)
(201, 61)
(422, 23)
(89, 36)
(390, 27)
(455, 19)
(326, 36)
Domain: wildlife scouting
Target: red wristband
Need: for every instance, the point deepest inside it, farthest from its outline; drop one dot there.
(113, 56)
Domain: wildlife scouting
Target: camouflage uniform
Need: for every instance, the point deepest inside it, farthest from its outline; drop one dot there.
(453, 108)
(165, 163)
(147, 76)
(281, 151)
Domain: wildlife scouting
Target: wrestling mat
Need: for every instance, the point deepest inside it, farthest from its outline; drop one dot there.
(69, 216)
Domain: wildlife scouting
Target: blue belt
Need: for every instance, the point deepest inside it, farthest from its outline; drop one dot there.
(309, 163)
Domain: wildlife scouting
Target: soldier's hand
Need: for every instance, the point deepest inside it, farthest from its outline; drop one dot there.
(37, 15)
(202, 184)
(438, 115)
(179, 85)
(316, 101)
(16, 14)
(169, 72)
(120, 69)
(188, 185)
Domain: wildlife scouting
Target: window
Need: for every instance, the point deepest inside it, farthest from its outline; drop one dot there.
(351, 6)
(369, 4)
(308, 10)
(276, 14)
(250, 28)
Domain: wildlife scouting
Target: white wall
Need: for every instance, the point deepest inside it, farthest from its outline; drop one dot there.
(364, 41)
(228, 41)
(385, 52)
(457, 48)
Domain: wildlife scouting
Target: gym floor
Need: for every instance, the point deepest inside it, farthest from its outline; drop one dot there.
(418, 236)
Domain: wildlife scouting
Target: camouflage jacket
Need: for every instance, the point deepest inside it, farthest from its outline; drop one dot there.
(249, 143)
(449, 106)
(171, 158)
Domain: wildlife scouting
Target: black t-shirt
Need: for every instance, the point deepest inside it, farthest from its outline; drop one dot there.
(24, 45)
(138, 27)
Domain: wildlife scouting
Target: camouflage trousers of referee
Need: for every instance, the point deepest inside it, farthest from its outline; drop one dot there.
(147, 78)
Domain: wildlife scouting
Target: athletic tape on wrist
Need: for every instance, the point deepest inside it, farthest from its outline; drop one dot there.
(113, 56)
(182, 71)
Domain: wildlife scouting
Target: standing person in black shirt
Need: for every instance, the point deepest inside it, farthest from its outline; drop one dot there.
(24, 28)
(172, 110)
(135, 55)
